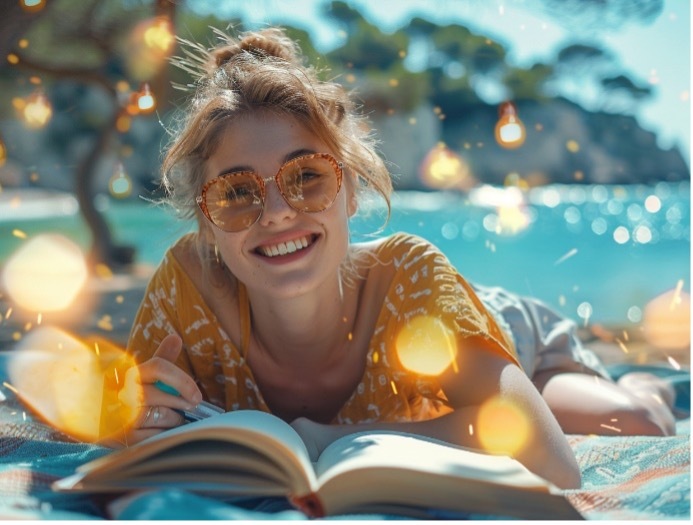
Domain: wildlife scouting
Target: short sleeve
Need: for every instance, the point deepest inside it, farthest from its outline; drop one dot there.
(425, 283)
(172, 304)
(158, 315)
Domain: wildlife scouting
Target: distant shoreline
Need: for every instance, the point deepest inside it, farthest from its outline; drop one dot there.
(36, 203)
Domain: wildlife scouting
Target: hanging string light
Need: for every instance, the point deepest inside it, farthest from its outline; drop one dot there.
(146, 102)
(37, 110)
(32, 6)
(120, 185)
(510, 131)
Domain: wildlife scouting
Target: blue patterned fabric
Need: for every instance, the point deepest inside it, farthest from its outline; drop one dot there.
(624, 478)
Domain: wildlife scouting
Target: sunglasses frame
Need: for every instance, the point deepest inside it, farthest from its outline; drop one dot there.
(338, 166)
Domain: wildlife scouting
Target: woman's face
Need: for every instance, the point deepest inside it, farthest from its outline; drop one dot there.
(313, 244)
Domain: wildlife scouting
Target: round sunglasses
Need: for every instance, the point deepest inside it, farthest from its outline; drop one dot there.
(234, 201)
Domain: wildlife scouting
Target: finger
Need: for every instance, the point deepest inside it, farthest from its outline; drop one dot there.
(169, 348)
(162, 367)
(154, 396)
(160, 417)
(163, 358)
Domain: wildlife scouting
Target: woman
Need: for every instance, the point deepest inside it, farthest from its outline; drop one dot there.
(268, 306)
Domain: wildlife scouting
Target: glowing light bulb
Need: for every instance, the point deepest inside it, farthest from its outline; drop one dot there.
(32, 6)
(45, 274)
(120, 185)
(37, 111)
(510, 131)
(145, 100)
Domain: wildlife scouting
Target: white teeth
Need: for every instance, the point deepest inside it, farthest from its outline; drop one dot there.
(283, 248)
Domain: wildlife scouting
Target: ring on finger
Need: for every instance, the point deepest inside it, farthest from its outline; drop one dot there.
(146, 416)
(156, 416)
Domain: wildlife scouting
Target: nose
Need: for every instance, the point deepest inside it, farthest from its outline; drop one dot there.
(276, 209)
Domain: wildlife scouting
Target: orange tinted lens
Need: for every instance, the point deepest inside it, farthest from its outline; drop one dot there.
(234, 201)
(309, 184)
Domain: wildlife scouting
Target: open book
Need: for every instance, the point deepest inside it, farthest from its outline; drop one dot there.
(252, 453)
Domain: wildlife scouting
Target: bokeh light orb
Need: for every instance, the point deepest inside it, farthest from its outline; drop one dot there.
(502, 427)
(666, 320)
(150, 44)
(45, 274)
(442, 168)
(75, 385)
(426, 346)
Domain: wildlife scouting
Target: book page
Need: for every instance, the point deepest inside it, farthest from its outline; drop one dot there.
(258, 431)
(399, 471)
(394, 449)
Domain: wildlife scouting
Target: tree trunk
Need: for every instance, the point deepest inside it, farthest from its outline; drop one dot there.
(103, 249)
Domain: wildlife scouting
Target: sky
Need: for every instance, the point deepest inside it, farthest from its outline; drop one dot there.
(655, 53)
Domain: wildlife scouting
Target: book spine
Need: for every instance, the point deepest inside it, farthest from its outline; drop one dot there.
(310, 505)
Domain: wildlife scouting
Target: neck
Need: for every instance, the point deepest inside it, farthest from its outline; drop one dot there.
(304, 329)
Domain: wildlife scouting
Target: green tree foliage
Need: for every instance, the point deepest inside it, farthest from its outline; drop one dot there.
(367, 47)
(601, 15)
(524, 84)
(583, 68)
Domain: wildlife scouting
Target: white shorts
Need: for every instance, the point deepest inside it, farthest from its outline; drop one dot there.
(544, 340)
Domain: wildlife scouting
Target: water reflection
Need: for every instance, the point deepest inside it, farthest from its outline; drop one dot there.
(620, 260)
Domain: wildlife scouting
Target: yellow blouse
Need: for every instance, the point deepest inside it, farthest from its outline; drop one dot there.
(423, 282)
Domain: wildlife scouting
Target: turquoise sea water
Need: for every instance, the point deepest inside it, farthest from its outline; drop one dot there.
(595, 253)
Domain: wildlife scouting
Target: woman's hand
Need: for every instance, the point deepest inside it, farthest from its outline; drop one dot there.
(158, 410)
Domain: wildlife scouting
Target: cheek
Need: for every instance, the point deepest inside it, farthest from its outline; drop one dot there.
(337, 224)
(339, 213)
(230, 248)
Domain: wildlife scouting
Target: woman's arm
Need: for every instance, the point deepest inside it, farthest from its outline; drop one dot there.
(521, 426)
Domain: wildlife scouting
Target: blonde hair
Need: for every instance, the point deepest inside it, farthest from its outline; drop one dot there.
(261, 70)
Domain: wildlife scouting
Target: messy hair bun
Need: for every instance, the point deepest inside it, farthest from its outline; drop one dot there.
(268, 43)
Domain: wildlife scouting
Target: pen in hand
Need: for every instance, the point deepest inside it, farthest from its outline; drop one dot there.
(201, 411)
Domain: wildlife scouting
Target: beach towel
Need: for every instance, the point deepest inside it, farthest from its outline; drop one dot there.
(623, 477)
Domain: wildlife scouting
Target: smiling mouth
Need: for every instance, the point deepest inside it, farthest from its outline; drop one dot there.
(285, 248)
